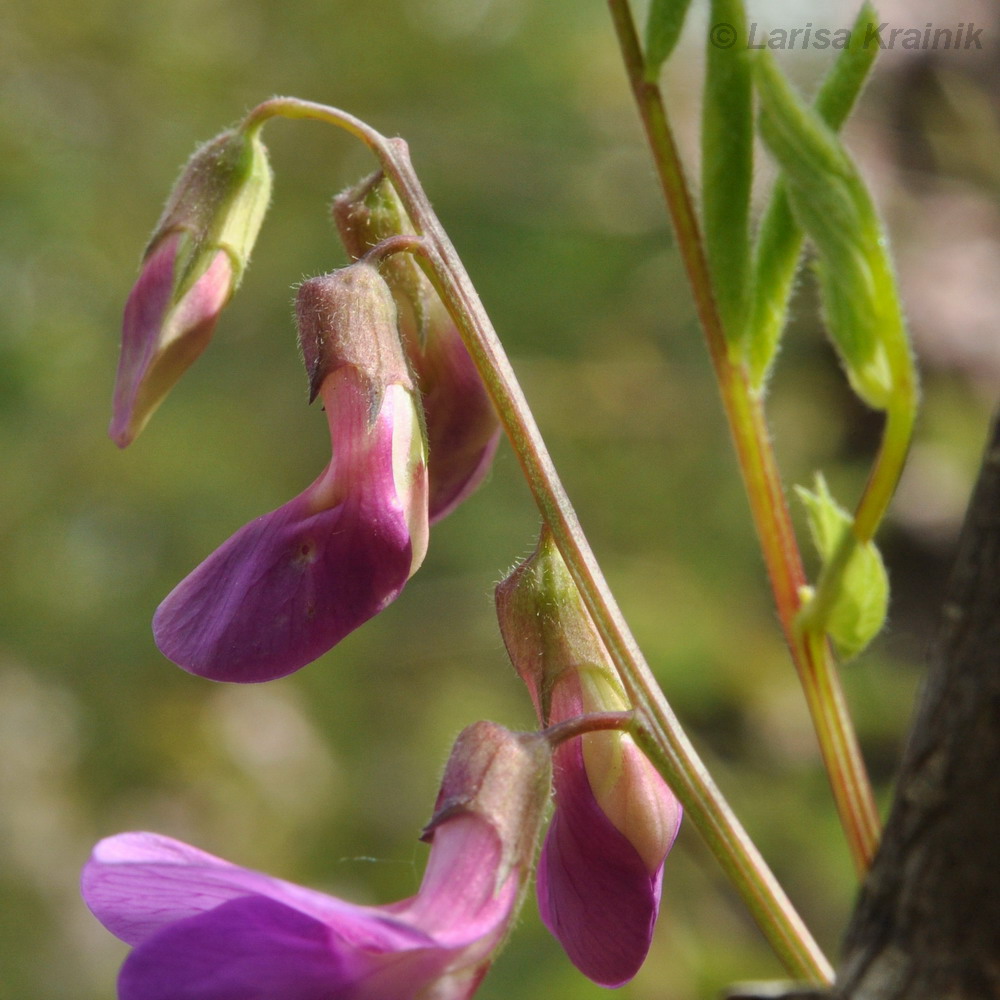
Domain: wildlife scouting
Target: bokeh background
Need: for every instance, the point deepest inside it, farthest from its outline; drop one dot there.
(521, 128)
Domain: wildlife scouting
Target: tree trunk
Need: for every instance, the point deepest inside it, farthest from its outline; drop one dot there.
(927, 923)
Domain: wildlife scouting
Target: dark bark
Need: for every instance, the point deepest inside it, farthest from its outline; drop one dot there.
(927, 922)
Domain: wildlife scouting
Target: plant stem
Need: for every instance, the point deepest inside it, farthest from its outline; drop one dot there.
(743, 404)
(659, 729)
(593, 722)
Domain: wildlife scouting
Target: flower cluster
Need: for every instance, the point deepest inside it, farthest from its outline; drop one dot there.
(413, 432)
(397, 384)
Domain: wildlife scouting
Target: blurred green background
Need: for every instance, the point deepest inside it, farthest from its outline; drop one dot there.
(521, 128)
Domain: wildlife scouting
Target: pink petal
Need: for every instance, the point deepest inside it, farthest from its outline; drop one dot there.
(160, 338)
(285, 589)
(138, 883)
(205, 929)
(459, 901)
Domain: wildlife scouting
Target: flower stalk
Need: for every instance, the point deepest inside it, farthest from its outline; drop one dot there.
(658, 730)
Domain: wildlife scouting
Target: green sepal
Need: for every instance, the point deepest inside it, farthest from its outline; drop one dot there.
(858, 609)
(369, 213)
(218, 203)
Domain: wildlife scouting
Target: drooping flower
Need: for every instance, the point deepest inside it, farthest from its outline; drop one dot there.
(204, 929)
(191, 267)
(291, 584)
(601, 868)
(462, 426)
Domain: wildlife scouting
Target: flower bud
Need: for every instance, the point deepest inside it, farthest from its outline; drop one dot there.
(462, 427)
(291, 584)
(601, 866)
(191, 267)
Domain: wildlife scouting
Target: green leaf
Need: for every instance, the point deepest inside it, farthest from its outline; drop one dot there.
(841, 87)
(663, 29)
(830, 202)
(858, 609)
(727, 167)
(779, 243)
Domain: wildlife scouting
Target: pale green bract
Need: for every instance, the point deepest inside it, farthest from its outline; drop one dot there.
(859, 608)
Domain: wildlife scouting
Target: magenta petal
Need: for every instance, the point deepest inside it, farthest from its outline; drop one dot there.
(256, 948)
(204, 929)
(463, 429)
(449, 489)
(138, 883)
(594, 891)
(285, 588)
(252, 948)
(161, 337)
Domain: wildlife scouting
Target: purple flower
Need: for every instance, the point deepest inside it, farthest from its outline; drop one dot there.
(463, 430)
(204, 929)
(601, 867)
(190, 269)
(291, 584)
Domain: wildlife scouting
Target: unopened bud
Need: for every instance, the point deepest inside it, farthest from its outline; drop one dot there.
(191, 267)
(546, 628)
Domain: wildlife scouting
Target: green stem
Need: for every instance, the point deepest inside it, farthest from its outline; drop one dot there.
(743, 403)
(670, 748)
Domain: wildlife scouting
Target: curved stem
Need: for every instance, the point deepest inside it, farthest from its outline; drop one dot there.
(669, 747)
(888, 466)
(744, 409)
(593, 722)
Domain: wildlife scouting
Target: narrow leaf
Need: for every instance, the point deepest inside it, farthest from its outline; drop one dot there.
(779, 243)
(663, 29)
(727, 165)
(840, 88)
(830, 202)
